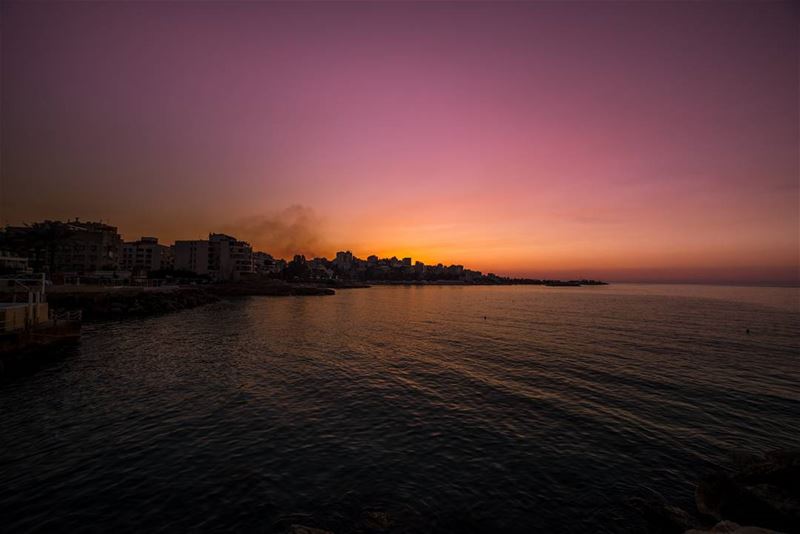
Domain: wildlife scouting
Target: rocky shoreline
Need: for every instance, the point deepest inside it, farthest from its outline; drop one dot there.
(100, 303)
(755, 494)
(115, 304)
(269, 288)
(111, 303)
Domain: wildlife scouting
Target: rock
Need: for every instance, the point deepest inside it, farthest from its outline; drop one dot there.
(722, 497)
(710, 494)
(729, 527)
(780, 499)
(723, 527)
(374, 519)
(777, 468)
(302, 529)
(661, 518)
(763, 491)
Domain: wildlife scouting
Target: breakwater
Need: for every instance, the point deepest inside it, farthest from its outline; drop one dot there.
(102, 303)
(268, 288)
(757, 493)
(120, 303)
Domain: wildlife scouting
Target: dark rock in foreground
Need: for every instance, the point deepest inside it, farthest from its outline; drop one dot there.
(661, 518)
(757, 494)
(302, 529)
(762, 491)
(729, 527)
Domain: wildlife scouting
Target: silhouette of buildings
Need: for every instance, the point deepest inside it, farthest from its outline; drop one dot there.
(96, 248)
(58, 247)
(192, 256)
(146, 255)
(229, 258)
(222, 257)
(9, 263)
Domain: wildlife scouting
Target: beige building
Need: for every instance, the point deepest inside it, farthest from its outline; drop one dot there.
(229, 258)
(145, 255)
(23, 315)
(223, 257)
(192, 256)
(16, 316)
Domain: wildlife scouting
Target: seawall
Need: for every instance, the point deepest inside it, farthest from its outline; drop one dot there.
(120, 303)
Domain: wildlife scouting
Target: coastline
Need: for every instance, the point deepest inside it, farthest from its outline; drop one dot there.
(104, 303)
(100, 303)
(509, 282)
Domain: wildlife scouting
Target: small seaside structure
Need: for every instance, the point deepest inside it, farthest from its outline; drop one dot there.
(25, 314)
(26, 320)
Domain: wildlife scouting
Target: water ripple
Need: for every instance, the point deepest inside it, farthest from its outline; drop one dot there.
(453, 409)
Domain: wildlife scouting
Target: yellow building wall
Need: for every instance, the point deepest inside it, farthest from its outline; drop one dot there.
(15, 318)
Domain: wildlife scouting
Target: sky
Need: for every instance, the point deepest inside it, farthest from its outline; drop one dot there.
(616, 140)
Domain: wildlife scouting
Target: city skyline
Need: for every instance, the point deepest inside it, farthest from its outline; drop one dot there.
(62, 236)
(96, 251)
(623, 142)
(126, 240)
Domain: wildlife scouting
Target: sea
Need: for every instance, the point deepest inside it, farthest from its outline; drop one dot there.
(401, 409)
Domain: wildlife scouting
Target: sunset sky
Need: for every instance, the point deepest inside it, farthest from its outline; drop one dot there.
(627, 141)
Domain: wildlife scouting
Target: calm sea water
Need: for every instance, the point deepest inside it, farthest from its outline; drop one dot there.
(452, 409)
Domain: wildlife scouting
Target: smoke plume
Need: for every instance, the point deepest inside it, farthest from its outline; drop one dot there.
(294, 230)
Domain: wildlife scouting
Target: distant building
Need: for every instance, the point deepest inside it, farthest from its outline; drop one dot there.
(455, 270)
(344, 260)
(192, 256)
(145, 255)
(319, 269)
(265, 263)
(298, 268)
(262, 262)
(10, 263)
(242, 258)
(223, 257)
(168, 258)
(472, 276)
(58, 247)
(229, 258)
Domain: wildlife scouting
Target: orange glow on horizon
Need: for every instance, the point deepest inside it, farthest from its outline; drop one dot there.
(624, 141)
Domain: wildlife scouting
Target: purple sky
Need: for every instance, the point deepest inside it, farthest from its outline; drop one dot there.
(618, 140)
